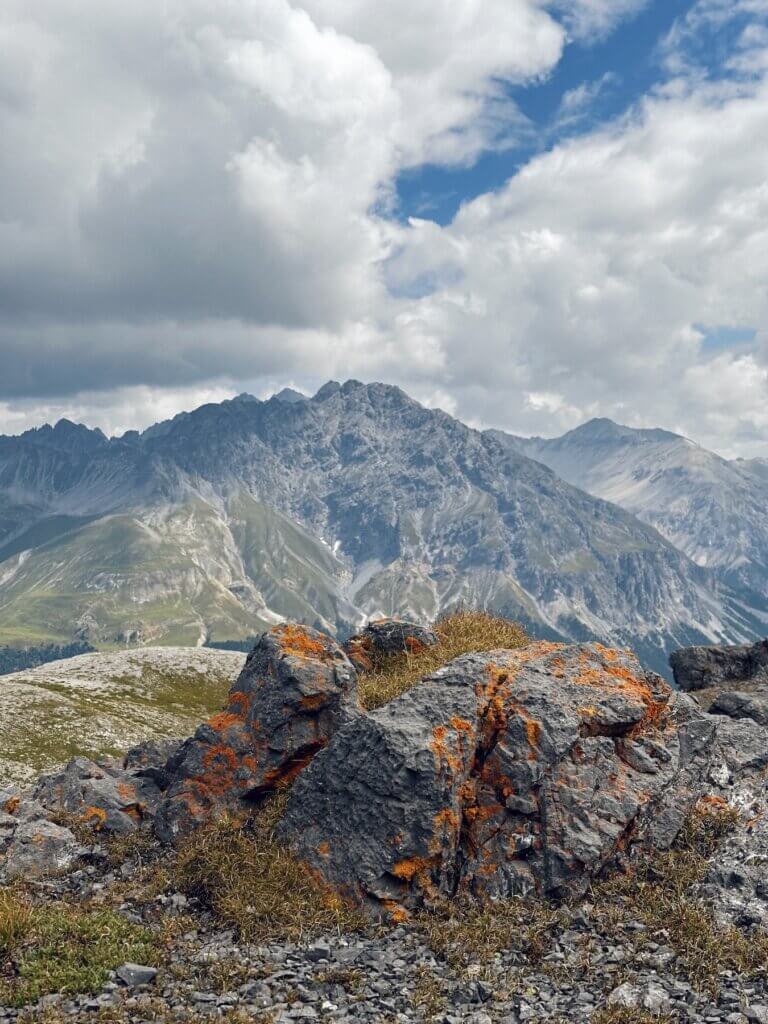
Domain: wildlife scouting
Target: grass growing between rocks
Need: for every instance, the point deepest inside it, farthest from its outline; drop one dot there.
(465, 932)
(616, 1015)
(64, 948)
(658, 893)
(461, 632)
(253, 884)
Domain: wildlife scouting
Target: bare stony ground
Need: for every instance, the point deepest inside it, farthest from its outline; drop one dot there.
(99, 704)
(230, 922)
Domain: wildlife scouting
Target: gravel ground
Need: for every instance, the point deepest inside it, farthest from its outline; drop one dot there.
(387, 975)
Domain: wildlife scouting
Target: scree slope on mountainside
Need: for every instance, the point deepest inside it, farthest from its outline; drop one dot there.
(356, 502)
(713, 509)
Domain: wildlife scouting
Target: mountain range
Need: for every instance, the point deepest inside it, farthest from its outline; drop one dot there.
(713, 509)
(360, 502)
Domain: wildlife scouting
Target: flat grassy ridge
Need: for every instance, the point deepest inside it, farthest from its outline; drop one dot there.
(461, 632)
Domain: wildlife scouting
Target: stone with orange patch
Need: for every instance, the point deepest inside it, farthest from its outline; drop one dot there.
(296, 690)
(498, 779)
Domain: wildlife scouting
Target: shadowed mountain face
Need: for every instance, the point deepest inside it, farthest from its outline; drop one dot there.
(714, 510)
(356, 502)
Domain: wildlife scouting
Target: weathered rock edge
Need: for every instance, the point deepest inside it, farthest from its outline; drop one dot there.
(503, 773)
(702, 668)
(384, 637)
(296, 690)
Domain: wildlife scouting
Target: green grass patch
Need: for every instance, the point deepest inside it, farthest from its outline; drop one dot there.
(63, 948)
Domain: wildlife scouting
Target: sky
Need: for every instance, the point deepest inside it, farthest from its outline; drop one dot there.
(525, 212)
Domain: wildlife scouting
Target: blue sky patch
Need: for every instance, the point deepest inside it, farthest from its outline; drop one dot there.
(608, 76)
(721, 338)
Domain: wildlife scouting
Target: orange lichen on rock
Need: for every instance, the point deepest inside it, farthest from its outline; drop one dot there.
(616, 678)
(95, 816)
(313, 701)
(297, 643)
(127, 791)
(397, 914)
(462, 725)
(414, 646)
(223, 720)
(238, 704)
(220, 753)
(440, 746)
(12, 805)
(711, 802)
(408, 868)
(284, 775)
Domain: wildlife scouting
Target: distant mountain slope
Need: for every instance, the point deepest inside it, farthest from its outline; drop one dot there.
(714, 510)
(356, 502)
(99, 704)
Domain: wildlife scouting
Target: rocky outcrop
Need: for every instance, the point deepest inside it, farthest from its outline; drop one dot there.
(384, 637)
(701, 668)
(501, 774)
(736, 704)
(109, 797)
(297, 689)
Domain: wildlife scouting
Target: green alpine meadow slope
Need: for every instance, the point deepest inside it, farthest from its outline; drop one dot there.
(101, 704)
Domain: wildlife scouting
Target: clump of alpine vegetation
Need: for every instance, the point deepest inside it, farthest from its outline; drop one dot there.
(447, 823)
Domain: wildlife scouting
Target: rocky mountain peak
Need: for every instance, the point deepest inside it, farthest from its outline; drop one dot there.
(290, 395)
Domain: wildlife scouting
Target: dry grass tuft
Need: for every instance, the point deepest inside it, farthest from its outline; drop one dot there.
(15, 920)
(461, 632)
(615, 1015)
(464, 932)
(253, 884)
(427, 996)
(658, 894)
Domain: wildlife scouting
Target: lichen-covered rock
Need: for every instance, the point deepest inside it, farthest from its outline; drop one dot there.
(503, 773)
(39, 848)
(700, 668)
(296, 690)
(103, 795)
(384, 637)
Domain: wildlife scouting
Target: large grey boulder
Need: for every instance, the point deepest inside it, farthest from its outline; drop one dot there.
(739, 704)
(297, 689)
(503, 773)
(38, 849)
(700, 668)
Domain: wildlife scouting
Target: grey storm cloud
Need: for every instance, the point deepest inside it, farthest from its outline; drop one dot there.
(199, 194)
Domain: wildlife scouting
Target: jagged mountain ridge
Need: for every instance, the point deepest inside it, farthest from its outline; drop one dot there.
(713, 509)
(356, 502)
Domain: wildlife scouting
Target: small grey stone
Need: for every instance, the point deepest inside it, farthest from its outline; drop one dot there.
(134, 975)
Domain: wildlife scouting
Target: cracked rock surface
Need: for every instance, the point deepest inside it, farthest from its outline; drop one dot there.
(296, 690)
(502, 774)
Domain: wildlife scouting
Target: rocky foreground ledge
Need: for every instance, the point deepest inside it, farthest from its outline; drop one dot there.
(494, 844)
